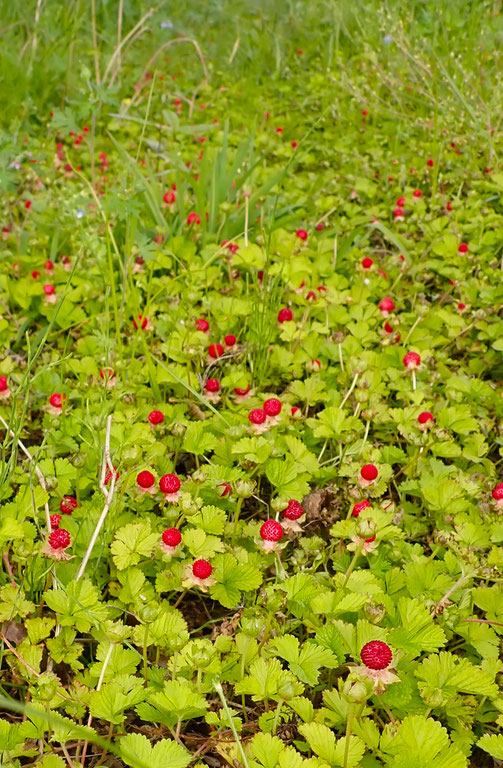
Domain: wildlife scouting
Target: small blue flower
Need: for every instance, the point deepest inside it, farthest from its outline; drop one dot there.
(387, 39)
(79, 213)
(166, 25)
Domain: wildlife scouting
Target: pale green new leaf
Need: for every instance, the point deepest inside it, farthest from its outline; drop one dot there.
(137, 752)
(133, 542)
(493, 744)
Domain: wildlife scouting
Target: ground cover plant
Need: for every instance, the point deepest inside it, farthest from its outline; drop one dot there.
(251, 384)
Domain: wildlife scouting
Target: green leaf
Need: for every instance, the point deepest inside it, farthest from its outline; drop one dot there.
(133, 543)
(321, 740)
(198, 439)
(451, 674)
(119, 694)
(493, 744)
(176, 702)
(268, 680)
(137, 752)
(417, 632)
(304, 662)
(232, 579)
(78, 605)
(418, 737)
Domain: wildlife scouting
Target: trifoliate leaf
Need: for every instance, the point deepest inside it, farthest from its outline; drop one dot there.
(419, 738)
(232, 579)
(177, 701)
(133, 543)
(417, 632)
(137, 752)
(305, 662)
(451, 674)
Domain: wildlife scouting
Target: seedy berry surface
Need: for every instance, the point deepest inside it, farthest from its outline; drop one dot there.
(376, 655)
(369, 472)
(171, 537)
(169, 483)
(294, 510)
(59, 539)
(202, 569)
(272, 406)
(257, 416)
(145, 479)
(271, 530)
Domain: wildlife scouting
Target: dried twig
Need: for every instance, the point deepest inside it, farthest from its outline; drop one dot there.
(108, 494)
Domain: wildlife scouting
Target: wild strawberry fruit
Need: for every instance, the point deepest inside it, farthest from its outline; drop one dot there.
(311, 296)
(35, 274)
(388, 328)
(376, 655)
(212, 385)
(398, 212)
(293, 511)
(171, 537)
(202, 569)
(430, 163)
(107, 374)
(463, 248)
(320, 227)
(412, 360)
(279, 129)
(56, 402)
(230, 340)
(48, 265)
(145, 480)
(242, 393)
(215, 351)
(369, 472)
(386, 305)
(400, 203)
(4, 388)
(59, 539)
(202, 325)
(68, 504)
(271, 532)
(257, 416)
(425, 417)
(48, 289)
(272, 407)
(169, 484)
(140, 322)
(295, 412)
(461, 306)
(359, 507)
(109, 475)
(169, 197)
(55, 521)
(367, 262)
(497, 493)
(224, 489)
(285, 315)
(295, 144)
(314, 365)
(156, 417)
(193, 218)
(301, 234)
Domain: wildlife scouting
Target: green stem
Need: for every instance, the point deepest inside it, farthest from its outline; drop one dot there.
(349, 726)
(353, 563)
(220, 691)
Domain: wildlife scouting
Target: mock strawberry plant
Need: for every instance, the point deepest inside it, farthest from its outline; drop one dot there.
(250, 386)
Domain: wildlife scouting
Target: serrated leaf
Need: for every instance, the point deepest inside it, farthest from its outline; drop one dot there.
(137, 752)
(493, 744)
(417, 632)
(133, 543)
(451, 674)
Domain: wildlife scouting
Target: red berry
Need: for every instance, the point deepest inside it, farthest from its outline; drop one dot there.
(145, 479)
(68, 504)
(230, 340)
(156, 417)
(171, 537)
(141, 322)
(400, 202)
(285, 315)
(169, 484)
(109, 476)
(430, 163)
(294, 510)
(294, 411)
(412, 360)
(387, 304)
(369, 472)
(169, 197)
(224, 489)
(3, 383)
(425, 417)
(279, 130)
(417, 193)
(55, 521)
(376, 655)
(388, 328)
(449, 205)
(295, 144)
(241, 392)
(48, 289)
(107, 373)
(257, 416)
(215, 351)
(359, 507)
(59, 539)
(461, 306)
(398, 212)
(301, 234)
(273, 406)
(35, 274)
(202, 324)
(57, 400)
(193, 218)
(497, 492)
(212, 385)
(463, 248)
(202, 569)
(49, 265)
(311, 296)
(370, 539)
(271, 530)
(367, 262)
